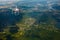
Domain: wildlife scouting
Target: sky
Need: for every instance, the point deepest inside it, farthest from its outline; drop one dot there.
(13, 1)
(8, 1)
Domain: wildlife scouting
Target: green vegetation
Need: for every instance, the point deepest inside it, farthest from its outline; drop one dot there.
(42, 31)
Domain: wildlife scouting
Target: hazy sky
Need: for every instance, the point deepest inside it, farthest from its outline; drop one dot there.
(8, 1)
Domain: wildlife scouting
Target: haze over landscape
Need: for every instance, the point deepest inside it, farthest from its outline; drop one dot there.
(29, 19)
